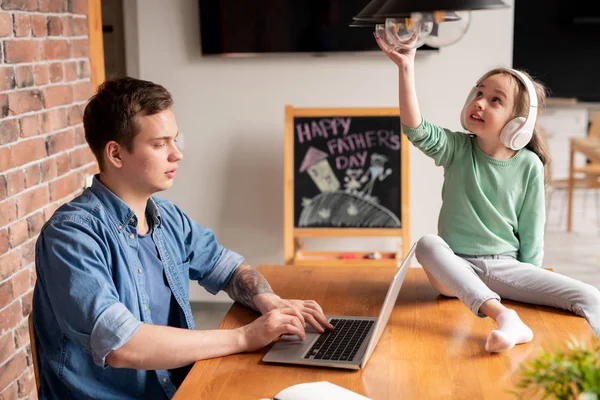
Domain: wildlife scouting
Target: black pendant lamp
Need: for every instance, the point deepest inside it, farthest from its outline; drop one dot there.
(403, 8)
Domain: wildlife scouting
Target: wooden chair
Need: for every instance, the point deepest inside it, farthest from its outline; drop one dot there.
(587, 177)
(34, 353)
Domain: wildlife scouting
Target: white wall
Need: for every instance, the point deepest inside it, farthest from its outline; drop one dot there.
(231, 112)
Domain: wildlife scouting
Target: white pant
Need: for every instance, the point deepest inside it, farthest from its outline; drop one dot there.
(475, 279)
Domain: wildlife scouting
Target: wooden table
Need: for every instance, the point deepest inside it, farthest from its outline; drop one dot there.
(589, 147)
(432, 348)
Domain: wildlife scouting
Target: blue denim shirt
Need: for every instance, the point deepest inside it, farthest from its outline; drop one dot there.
(90, 296)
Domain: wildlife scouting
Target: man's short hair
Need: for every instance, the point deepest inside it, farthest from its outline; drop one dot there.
(111, 114)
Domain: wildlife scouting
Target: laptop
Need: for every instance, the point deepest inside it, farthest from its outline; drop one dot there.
(352, 341)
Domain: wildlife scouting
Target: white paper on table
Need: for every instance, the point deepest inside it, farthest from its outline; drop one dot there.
(318, 391)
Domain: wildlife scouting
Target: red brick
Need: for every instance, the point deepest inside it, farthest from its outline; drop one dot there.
(83, 69)
(4, 108)
(26, 384)
(56, 72)
(17, 51)
(5, 24)
(6, 297)
(62, 164)
(80, 48)
(57, 95)
(79, 6)
(17, 233)
(7, 343)
(82, 91)
(39, 25)
(15, 182)
(25, 101)
(55, 120)
(67, 26)
(41, 74)
(9, 131)
(24, 76)
(22, 25)
(79, 27)
(55, 49)
(31, 125)
(13, 368)
(64, 186)
(7, 78)
(78, 157)
(28, 256)
(54, 26)
(33, 175)
(80, 135)
(10, 393)
(22, 334)
(8, 213)
(29, 150)
(3, 189)
(48, 169)
(26, 301)
(75, 115)
(6, 160)
(20, 283)
(71, 71)
(56, 6)
(34, 224)
(3, 243)
(9, 317)
(9, 263)
(32, 200)
(23, 5)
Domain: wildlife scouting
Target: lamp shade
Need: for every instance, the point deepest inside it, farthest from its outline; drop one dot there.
(403, 8)
(365, 16)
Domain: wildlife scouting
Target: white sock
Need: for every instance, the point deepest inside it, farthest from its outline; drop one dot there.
(511, 331)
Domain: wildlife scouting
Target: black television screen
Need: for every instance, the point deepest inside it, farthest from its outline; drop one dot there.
(558, 42)
(282, 26)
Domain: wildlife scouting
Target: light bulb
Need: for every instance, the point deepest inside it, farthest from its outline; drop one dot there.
(404, 33)
(447, 27)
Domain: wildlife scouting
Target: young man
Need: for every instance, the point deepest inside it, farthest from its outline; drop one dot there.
(111, 308)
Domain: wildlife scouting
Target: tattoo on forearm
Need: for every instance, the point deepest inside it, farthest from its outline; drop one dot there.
(246, 283)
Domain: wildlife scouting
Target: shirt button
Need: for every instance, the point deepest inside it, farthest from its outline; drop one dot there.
(145, 306)
(139, 271)
(131, 236)
(132, 220)
(165, 380)
(120, 227)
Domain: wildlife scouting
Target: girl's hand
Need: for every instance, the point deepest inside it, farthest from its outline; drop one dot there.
(403, 58)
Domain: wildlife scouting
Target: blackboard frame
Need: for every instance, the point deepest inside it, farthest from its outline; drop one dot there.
(293, 252)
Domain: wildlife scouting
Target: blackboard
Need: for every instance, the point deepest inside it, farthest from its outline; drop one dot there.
(347, 171)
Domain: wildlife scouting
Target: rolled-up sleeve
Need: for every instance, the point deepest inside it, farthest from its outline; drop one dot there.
(211, 265)
(74, 271)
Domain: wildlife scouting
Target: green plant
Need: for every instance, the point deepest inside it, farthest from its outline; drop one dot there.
(565, 374)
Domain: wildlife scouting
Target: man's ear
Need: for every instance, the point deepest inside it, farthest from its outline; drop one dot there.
(112, 152)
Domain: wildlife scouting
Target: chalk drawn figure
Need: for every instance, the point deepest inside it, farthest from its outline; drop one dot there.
(377, 173)
(354, 180)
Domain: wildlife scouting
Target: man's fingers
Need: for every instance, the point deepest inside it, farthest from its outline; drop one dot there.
(313, 322)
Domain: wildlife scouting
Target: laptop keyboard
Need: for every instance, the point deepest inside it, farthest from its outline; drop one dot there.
(343, 342)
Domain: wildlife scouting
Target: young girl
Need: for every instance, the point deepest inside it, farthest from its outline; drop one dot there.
(491, 224)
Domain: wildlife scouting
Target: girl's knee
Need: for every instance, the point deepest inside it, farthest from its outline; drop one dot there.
(426, 245)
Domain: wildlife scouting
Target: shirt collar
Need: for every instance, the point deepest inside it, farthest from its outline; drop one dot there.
(119, 209)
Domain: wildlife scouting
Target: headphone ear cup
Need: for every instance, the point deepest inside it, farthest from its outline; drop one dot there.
(463, 113)
(512, 136)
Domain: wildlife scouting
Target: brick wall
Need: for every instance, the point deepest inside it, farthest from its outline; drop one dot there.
(44, 160)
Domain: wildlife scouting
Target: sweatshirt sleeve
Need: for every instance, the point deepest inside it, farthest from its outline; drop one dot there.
(531, 223)
(438, 143)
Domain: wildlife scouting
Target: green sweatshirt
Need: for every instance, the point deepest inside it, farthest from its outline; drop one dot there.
(489, 206)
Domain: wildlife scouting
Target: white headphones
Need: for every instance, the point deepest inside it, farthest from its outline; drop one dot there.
(517, 132)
